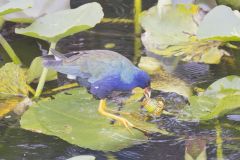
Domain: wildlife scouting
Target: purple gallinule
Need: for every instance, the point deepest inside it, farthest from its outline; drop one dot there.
(101, 72)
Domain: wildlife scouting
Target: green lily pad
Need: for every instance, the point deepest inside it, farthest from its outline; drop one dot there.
(216, 17)
(172, 34)
(226, 86)
(73, 117)
(38, 9)
(224, 106)
(35, 71)
(173, 26)
(15, 6)
(13, 81)
(13, 87)
(53, 27)
(220, 98)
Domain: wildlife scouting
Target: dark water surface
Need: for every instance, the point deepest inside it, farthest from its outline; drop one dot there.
(216, 140)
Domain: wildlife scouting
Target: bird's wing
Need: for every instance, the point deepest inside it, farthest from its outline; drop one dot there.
(93, 64)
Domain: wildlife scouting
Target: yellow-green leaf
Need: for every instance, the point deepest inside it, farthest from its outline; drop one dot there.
(35, 71)
(53, 27)
(13, 81)
(73, 116)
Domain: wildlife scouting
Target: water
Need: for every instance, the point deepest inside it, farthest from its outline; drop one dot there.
(214, 140)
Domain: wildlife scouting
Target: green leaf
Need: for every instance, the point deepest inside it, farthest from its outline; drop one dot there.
(53, 27)
(13, 88)
(224, 87)
(225, 105)
(38, 9)
(198, 108)
(173, 26)
(82, 157)
(13, 81)
(220, 98)
(197, 51)
(73, 117)
(216, 17)
(171, 33)
(15, 6)
(35, 71)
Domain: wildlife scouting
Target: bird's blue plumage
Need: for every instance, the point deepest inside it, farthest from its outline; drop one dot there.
(101, 71)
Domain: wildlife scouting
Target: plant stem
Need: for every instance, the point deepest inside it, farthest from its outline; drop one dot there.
(9, 50)
(137, 30)
(219, 141)
(43, 75)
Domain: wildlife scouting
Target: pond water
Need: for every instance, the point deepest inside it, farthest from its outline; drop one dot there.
(216, 140)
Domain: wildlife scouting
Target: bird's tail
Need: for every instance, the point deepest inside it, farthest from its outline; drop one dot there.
(51, 61)
(58, 55)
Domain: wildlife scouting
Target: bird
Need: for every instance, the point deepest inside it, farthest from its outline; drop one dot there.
(101, 72)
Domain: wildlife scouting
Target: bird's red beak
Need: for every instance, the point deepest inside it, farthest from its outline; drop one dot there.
(147, 92)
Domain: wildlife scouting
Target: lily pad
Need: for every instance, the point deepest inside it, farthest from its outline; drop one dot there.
(162, 37)
(15, 6)
(229, 31)
(53, 27)
(38, 9)
(35, 71)
(226, 86)
(173, 26)
(222, 97)
(195, 51)
(73, 117)
(13, 81)
(13, 88)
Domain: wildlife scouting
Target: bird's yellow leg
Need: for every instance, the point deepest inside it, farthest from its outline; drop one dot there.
(102, 110)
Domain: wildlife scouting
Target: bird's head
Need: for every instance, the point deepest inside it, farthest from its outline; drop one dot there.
(143, 81)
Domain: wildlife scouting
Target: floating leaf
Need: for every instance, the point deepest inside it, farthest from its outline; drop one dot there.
(164, 38)
(13, 88)
(15, 6)
(229, 31)
(174, 26)
(226, 86)
(194, 50)
(7, 105)
(13, 81)
(35, 71)
(38, 9)
(225, 105)
(53, 27)
(198, 108)
(220, 98)
(73, 116)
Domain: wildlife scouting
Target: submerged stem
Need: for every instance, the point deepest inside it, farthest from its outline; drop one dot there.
(9, 50)
(43, 75)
